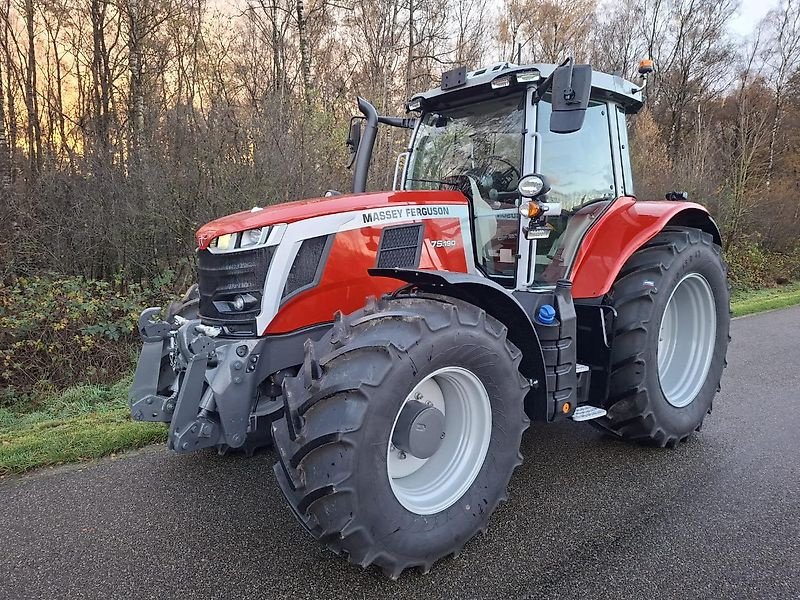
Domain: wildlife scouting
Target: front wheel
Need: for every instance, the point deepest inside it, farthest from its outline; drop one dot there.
(398, 444)
(671, 337)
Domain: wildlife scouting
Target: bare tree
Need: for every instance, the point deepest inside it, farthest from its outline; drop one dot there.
(745, 140)
(302, 42)
(5, 151)
(472, 31)
(617, 46)
(782, 56)
(31, 92)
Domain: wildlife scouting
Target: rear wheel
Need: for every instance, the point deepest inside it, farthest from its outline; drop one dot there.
(671, 337)
(399, 443)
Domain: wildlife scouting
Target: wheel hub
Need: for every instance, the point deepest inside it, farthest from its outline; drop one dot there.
(686, 340)
(419, 429)
(439, 440)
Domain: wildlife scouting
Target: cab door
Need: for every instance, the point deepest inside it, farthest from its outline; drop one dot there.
(585, 175)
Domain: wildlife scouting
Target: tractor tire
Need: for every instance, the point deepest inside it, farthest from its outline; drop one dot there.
(188, 306)
(671, 336)
(346, 481)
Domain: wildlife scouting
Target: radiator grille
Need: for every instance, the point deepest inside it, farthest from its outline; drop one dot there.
(221, 277)
(400, 246)
(307, 265)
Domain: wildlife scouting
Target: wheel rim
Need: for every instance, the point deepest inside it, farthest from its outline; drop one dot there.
(428, 486)
(686, 340)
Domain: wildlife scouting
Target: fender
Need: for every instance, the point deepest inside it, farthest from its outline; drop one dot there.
(624, 228)
(495, 300)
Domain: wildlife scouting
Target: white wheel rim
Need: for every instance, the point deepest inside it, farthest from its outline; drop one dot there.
(428, 486)
(686, 340)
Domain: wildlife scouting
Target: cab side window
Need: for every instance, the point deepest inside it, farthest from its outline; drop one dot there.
(580, 169)
(578, 165)
(624, 149)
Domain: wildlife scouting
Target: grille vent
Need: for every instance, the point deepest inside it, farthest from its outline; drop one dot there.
(307, 265)
(400, 247)
(222, 276)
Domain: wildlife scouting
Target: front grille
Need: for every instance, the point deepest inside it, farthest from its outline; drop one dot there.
(221, 277)
(307, 266)
(400, 246)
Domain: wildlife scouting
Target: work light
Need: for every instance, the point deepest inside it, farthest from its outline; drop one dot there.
(531, 186)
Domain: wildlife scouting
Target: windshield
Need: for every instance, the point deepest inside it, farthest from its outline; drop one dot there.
(478, 150)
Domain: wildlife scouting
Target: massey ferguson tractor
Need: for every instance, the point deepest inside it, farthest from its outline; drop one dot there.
(394, 345)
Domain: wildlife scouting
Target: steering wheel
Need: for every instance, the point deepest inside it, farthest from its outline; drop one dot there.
(505, 177)
(511, 167)
(460, 180)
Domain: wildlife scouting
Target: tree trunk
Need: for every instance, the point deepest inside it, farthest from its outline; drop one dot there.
(136, 89)
(410, 55)
(5, 154)
(31, 102)
(277, 63)
(773, 134)
(305, 65)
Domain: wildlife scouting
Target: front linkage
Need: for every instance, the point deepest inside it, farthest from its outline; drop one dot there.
(204, 387)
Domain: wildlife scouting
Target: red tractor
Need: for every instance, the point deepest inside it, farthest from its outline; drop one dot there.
(394, 345)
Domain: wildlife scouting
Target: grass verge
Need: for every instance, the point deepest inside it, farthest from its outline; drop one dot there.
(90, 421)
(754, 301)
(81, 423)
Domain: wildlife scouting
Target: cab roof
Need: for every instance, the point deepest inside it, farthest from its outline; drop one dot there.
(478, 82)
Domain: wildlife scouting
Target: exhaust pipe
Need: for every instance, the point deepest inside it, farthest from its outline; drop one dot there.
(364, 152)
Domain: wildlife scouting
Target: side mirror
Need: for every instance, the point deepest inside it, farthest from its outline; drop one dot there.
(572, 86)
(354, 138)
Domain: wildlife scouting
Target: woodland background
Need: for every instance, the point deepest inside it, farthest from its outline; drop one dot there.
(124, 124)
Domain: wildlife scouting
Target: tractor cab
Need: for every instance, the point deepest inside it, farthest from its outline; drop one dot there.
(485, 131)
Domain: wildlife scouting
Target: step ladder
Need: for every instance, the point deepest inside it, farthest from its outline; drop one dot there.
(587, 413)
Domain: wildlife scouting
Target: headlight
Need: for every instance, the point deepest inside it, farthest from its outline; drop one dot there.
(252, 237)
(231, 242)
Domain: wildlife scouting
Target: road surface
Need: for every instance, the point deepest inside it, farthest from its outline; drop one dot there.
(718, 517)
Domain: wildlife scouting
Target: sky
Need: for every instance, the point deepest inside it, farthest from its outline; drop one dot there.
(750, 13)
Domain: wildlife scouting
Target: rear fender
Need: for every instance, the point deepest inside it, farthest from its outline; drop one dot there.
(496, 301)
(624, 228)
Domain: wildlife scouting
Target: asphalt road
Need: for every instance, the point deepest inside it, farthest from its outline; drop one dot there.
(718, 517)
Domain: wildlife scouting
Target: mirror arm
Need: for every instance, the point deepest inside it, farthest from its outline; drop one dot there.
(398, 122)
(548, 83)
(364, 152)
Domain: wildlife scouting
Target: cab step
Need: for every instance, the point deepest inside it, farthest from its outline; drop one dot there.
(587, 413)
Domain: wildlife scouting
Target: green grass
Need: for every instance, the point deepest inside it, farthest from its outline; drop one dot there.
(754, 301)
(90, 421)
(81, 423)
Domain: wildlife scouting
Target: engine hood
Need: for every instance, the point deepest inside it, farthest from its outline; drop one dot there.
(291, 212)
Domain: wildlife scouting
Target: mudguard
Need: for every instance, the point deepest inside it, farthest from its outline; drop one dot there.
(495, 300)
(624, 228)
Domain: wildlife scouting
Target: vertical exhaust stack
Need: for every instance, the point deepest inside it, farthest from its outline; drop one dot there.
(364, 152)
